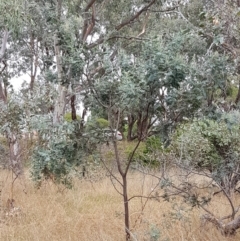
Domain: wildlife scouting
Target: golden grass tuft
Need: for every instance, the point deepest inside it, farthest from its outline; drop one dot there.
(94, 211)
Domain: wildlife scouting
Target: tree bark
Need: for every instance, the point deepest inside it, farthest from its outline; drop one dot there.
(61, 99)
(15, 161)
(231, 227)
(74, 114)
(4, 44)
(238, 94)
(131, 121)
(126, 207)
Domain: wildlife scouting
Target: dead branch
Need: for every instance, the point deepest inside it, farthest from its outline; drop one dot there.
(123, 24)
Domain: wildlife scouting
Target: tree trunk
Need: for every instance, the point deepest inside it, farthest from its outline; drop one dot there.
(60, 104)
(14, 148)
(142, 126)
(227, 229)
(73, 109)
(15, 161)
(238, 94)
(231, 227)
(126, 207)
(131, 121)
(61, 99)
(4, 44)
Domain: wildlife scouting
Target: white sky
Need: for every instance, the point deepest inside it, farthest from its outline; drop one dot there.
(17, 82)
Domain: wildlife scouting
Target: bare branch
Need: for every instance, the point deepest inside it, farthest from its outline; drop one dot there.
(131, 19)
(111, 176)
(110, 172)
(164, 10)
(96, 43)
(90, 27)
(89, 5)
(128, 38)
(131, 156)
(144, 25)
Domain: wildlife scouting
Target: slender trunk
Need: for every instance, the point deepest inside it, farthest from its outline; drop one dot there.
(126, 207)
(13, 141)
(60, 104)
(3, 96)
(4, 44)
(125, 189)
(14, 153)
(131, 121)
(74, 114)
(142, 126)
(82, 119)
(61, 99)
(238, 94)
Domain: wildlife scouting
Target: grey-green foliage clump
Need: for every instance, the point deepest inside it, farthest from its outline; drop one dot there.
(60, 149)
(152, 153)
(212, 145)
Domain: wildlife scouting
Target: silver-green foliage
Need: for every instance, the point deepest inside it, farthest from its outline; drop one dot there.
(60, 149)
(212, 145)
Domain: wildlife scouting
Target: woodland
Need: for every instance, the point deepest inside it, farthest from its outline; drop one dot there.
(162, 74)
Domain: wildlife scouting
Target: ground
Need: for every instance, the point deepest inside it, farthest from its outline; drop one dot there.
(94, 211)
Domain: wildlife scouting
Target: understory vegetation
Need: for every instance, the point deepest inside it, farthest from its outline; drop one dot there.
(126, 123)
(92, 210)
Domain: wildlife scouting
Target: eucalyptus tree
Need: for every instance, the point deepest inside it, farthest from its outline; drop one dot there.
(11, 23)
(119, 56)
(218, 23)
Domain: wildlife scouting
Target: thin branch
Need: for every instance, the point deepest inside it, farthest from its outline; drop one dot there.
(128, 38)
(131, 19)
(96, 43)
(114, 186)
(230, 201)
(110, 172)
(89, 5)
(90, 27)
(164, 10)
(145, 197)
(144, 25)
(4, 67)
(230, 216)
(131, 156)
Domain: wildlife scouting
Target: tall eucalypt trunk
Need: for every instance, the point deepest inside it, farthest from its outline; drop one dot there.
(13, 142)
(60, 103)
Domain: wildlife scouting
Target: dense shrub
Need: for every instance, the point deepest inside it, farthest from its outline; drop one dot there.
(211, 145)
(102, 123)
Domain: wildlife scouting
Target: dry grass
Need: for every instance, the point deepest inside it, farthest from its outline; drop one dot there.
(94, 211)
